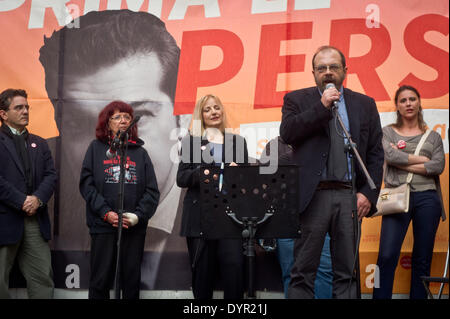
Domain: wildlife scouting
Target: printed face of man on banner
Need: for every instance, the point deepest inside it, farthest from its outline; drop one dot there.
(113, 55)
(135, 80)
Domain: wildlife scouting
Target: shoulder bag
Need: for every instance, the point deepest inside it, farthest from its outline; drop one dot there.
(394, 200)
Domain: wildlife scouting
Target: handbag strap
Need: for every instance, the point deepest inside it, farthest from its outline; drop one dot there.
(417, 151)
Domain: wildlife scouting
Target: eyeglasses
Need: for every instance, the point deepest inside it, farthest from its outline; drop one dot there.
(331, 67)
(20, 107)
(118, 118)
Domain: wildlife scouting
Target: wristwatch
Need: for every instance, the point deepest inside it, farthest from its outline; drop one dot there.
(40, 202)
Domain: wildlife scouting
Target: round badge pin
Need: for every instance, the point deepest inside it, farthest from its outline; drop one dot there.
(33, 145)
(401, 144)
(203, 147)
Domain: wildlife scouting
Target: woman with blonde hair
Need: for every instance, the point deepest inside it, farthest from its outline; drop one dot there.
(209, 143)
(400, 141)
(201, 125)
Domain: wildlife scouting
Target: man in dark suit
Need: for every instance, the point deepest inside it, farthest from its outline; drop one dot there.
(309, 125)
(27, 181)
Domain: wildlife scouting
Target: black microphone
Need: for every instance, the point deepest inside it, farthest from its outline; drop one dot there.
(335, 102)
(115, 144)
(112, 150)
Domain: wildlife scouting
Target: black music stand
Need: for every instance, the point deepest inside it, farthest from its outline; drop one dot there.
(250, 206)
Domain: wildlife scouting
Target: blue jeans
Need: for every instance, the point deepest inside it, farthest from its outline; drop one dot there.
(323, 284)
(424, 211)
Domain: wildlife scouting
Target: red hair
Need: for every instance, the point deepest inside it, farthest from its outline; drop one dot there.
(102, 131)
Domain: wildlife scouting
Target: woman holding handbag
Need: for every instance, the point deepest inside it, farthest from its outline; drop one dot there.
(421, 169)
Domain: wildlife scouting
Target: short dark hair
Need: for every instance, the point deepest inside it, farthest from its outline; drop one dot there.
(329, 47)
(102, 39)
(7, 95)
(102, 130)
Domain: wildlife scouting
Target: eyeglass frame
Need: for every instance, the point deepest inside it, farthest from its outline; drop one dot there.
(332, 67)
(119, 117)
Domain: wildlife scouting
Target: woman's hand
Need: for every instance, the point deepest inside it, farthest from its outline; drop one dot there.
(113, 219)
(132, 219)
(414, 168)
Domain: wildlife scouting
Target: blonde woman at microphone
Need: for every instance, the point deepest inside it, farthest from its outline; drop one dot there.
(208, 143)
(99, 186)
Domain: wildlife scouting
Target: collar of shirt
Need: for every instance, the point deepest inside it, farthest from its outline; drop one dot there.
(341, 90)
(16, 132)
(342, 109)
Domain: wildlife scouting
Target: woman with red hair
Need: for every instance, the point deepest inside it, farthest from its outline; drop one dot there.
(99, 186)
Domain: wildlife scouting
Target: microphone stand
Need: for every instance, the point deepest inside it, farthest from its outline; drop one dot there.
(123, 147)
(250, 225)
(352, 150)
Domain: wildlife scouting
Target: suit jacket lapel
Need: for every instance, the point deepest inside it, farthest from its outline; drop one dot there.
(353, 111)
(33, 152)
(205, 150)
(9, 143)
(228, 142)
(314, 96)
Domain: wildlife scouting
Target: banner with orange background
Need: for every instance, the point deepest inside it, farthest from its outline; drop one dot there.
(250, 53)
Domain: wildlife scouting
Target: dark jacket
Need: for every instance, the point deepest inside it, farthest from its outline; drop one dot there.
(99, 186)
(188, 175)
(304, 125)
(285, 152)
(13, 188)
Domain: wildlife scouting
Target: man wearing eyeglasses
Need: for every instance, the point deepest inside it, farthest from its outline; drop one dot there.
(319, 148)
(27, 181)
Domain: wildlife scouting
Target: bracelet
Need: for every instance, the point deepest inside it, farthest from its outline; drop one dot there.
(105, 218)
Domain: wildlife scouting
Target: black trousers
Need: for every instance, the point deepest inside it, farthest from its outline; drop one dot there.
(329, 211)
(208, 257)
(103, 264)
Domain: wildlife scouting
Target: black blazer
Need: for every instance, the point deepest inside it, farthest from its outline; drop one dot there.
(193, 152)
(304, 125)
(13, 187)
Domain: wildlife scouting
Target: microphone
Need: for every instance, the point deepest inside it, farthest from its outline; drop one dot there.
(222, 165)
(133, 122)
(112, 150)
(335, 102)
